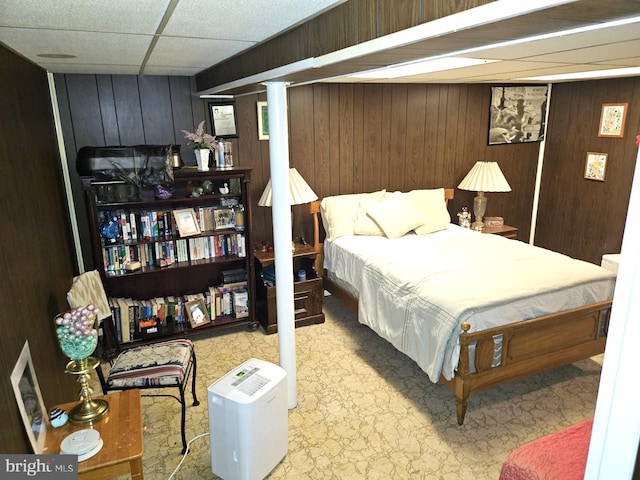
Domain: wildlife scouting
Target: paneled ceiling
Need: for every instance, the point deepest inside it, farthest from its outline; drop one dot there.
(151, 37)
(185, 37)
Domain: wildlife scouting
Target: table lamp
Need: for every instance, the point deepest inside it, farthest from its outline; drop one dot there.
(299, 192)
(483, 177)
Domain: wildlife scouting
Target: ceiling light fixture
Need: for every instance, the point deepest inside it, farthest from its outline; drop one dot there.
(425, 66)
(612, 72)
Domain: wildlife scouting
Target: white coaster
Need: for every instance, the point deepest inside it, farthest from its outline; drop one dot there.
(84, 443)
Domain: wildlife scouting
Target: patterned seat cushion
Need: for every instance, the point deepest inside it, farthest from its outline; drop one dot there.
(159, 364)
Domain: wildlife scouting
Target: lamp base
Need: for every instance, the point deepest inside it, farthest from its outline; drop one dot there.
(479, 226)
(88, 410)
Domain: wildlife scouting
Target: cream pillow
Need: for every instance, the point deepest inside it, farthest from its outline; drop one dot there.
(395, 215)
(340, 212)
(433, 208)
(365, 225)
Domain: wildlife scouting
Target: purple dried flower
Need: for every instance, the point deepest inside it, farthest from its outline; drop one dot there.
(199, 139)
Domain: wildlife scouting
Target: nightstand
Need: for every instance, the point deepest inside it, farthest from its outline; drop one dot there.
(307, 294)
(503, 230)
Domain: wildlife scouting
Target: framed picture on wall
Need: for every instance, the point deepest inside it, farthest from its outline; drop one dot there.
(596, 166)
(263, 121)
(30, 404)
(517, 114)
(612, 119)
(223, 118)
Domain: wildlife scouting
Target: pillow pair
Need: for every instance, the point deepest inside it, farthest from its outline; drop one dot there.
(424, 211)
(340, 212)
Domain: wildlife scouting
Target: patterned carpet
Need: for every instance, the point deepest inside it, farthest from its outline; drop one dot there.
(366, 411)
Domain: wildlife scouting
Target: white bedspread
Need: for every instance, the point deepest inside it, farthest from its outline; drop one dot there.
(416, 291)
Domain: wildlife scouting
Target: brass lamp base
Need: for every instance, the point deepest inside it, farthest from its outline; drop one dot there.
(88, 410)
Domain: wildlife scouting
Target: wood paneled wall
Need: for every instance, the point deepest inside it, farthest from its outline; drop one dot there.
(110, 110)
(36, 254)
(579, 217)
(347, 138)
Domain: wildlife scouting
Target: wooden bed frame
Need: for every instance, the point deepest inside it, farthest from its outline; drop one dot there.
(528, 347)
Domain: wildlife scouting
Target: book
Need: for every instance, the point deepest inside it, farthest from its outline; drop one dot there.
(124, 319)
(240, 304)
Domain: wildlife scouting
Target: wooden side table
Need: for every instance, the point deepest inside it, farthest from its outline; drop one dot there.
(506, 231)
(121, 431)
(307, 294)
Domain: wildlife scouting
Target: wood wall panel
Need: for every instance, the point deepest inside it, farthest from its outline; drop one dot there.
(579, 217)
(350, 138)
(127, 100)
(155, 104)
(36, 252)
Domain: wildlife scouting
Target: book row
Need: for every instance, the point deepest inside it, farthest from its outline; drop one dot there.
(127, 226)
(118, 259)
(136, 319)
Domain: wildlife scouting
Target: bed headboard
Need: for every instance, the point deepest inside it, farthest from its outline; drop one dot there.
(318, 236)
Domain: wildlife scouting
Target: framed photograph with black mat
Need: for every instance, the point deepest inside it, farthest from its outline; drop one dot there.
(517, 114)
(27, 392)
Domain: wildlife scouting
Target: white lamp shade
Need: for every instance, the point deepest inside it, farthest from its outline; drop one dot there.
(299, 191)
(485, 177)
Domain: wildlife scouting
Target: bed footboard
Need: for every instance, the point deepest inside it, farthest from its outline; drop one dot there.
(527, 347)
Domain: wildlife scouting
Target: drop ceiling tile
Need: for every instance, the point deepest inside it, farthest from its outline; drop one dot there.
(249, 20)
(193, 52)
(106, 48)
(118, 16)
(599, 53)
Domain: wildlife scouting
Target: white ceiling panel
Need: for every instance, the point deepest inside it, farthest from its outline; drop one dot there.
(193, 52)
(249, 20)
(601, 53)
(116, 16)
(89, 48)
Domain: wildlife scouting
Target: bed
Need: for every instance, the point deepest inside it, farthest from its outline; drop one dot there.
(472, 310)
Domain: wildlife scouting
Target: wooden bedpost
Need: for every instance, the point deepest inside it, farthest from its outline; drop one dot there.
(314, 209)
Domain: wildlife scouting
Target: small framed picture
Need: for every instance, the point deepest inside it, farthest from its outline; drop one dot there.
(27, 392)
(223, 218)
(186, 222)
(263, 121)
(197, 313)
(612, 119)
(596, 166)
(223, 118)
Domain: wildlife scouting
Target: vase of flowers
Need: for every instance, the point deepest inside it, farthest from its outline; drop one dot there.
(202, 143)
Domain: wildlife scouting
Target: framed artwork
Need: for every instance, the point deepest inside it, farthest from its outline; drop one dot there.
(187, 222)
(596, 166)
(223, 218)
(223, 118)
(517, 114)
(263, 121)
(27, 392)
(197, 313)
(612, 119)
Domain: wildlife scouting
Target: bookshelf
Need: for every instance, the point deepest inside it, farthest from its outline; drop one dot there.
(160, 253)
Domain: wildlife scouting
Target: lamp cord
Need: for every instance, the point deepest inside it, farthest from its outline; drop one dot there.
(185, 454)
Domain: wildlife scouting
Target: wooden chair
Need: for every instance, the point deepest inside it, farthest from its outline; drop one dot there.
(162, 365)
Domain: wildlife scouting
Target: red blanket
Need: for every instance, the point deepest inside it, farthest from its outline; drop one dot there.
(561, 455)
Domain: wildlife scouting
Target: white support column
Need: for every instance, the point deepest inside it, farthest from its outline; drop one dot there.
(281, 212)
(536, 191)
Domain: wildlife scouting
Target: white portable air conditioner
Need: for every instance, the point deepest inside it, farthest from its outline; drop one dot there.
(248, 421)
